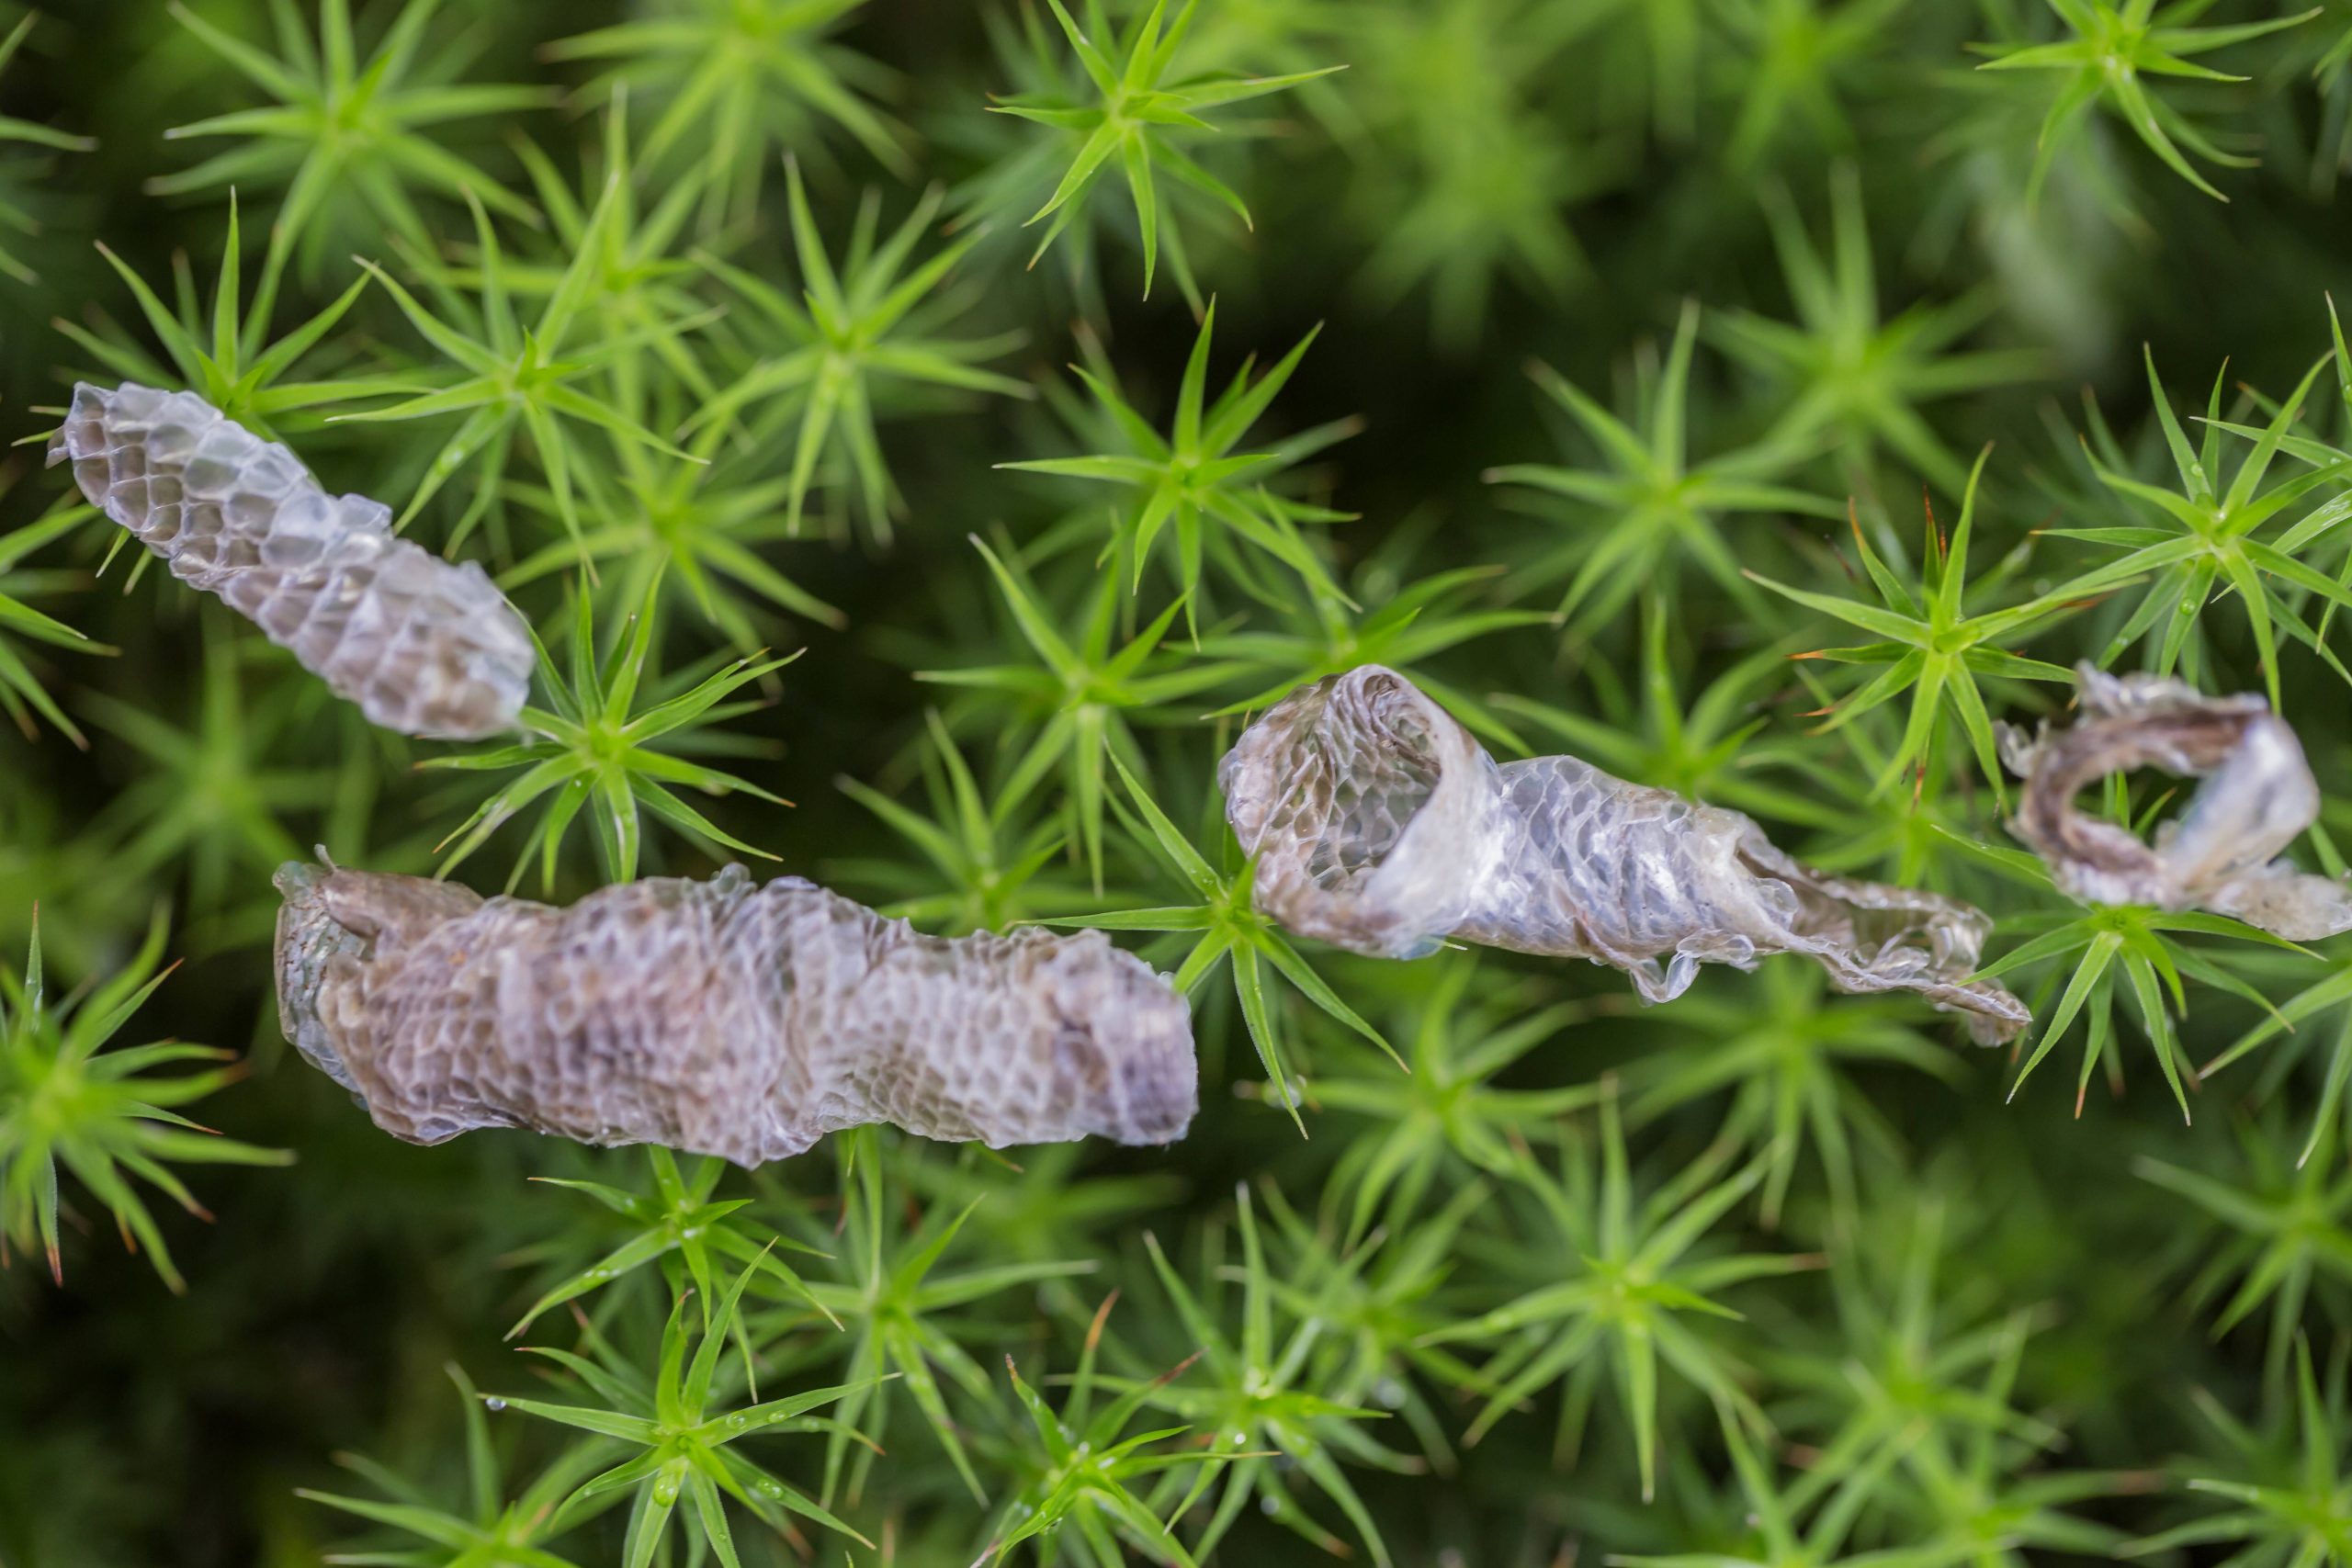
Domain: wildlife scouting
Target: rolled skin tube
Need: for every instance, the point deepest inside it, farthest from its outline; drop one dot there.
(2255, 797)
(1379, 825)
(424, 646)
(719, 1018)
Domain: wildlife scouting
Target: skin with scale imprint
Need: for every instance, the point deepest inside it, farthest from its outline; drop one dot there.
(424, 645)
(719, 1018)
(2255, 796)
(1381, 826)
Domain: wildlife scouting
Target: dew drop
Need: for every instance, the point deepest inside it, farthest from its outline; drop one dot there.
(493, 1404)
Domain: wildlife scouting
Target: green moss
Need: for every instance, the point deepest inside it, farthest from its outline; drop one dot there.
(1844, 319)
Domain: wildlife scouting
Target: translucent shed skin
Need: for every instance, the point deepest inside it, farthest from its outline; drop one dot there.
(1380, 825)
(424, 645)
(2255, 798)
(719, 1018)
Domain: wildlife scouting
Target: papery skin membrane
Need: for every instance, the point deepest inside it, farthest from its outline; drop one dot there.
(1381, 826)
(719, 1018)
(424, 646)
(2255, 798)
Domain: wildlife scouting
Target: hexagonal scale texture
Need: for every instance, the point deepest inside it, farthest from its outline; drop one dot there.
(426, 647)
(719, 1018)
(1380, 825)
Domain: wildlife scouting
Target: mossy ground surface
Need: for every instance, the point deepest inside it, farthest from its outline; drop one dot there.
(1652, 346)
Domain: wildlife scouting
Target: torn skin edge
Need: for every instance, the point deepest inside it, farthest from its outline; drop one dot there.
(2255, 797)
(719, 1018)
(1381, 826)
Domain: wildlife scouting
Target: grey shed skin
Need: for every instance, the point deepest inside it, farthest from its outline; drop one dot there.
(719, 1018)
(424, 645)
(1380, 825)
(2255, 798)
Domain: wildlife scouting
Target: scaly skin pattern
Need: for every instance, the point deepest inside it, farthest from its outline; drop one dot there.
(1381, 826)
(422, 646)
(719, 1018)
(2255, 797)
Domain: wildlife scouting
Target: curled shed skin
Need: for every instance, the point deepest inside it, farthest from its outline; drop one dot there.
(1380, 825)
(2255, 797)
(422, 646)
(719, 1018)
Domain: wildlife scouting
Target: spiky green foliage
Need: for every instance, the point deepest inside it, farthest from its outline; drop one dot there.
(610, 746)
(2201, 542)
(898, 1308)
(1635, 1300)
(639, 283)
(1086, 1470)
(981, 869)
(217, 786)
(1641, 730)
(1231, 933)
(1140, 105)
(699, 528)
(350, 139)
(1770, 1535)
(1475, 189)
(680, 1436)
(679, 1228)
(1926, 645)
(736, 80)
(866, 331)
(1769, 1274)
(2291, 1503)
(2140, 950)
(518, 384)
(22, 696)
(27, 133)
(1847, 371)
(1252, 1401)
(488, 1530)
(2284, 1021)
(226, 358)
(2286, 1228)
(1407, 630)
(1789, 1063)
(104, 1117)
(2105, 60)
(1081, 693)
(1193, 485)
(1923, 1372)
(1651, 507)
(1805, 57)
(1446, 1111)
